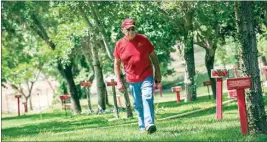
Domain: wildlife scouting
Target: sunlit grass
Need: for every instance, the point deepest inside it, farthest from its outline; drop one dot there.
(201, 126)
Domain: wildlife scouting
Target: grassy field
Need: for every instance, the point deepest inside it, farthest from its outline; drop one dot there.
(200, 126)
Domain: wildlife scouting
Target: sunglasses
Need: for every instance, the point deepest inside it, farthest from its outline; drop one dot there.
(130, 29)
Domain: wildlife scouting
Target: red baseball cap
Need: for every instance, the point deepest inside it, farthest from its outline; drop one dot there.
(127, 23)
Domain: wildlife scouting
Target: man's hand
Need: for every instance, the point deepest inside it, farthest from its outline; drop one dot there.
(154, 59)
(117, 64)
(120, 86)
(157, 78)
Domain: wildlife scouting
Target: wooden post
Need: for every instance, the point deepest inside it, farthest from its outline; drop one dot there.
(218, 74)
(113, 84)
(88, 85)
(219, 98)
(177, 89)
(207, 83)
(232, 94)
(18, 97)
(178, 97)
(242, 110)
(240, 84)
(63, 98)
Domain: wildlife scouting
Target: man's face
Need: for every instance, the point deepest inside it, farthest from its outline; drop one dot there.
(129, 32)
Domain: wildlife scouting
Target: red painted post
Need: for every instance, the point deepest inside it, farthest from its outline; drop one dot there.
(207, 83)
(178, 97)
(242, 110)
(232, 94)
(219, 98)
(63, 99)
(18, 97)
(177, 89)
(218, 74)
(240, 84)
(88, 84)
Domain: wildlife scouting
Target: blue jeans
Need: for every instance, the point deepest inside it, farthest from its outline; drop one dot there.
(142, 93)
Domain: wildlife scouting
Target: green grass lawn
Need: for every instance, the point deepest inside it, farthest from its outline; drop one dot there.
(200, 126)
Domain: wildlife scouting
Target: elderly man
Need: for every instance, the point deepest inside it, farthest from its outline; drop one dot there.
(135, 51)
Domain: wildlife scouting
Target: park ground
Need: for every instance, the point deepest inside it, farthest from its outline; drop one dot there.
(191, 121)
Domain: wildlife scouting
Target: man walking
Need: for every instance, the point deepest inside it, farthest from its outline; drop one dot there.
(135, 51)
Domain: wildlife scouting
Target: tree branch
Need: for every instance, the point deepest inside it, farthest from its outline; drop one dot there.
(42, 32)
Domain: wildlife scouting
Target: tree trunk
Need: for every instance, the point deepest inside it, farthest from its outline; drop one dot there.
(75, 102)
(89, 99)
(88, 56)
(263, 59)
(106, 98)
(31, 107)
(30, 94)
(190, 85)
(101, 88)
(101, 31)
(209, 62)
(50, 85)
(247, 38)
(26, 100)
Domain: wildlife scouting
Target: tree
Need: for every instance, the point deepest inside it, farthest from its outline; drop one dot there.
(65, 70)
(93, 41)
(25, 14)
(246, 34)
(21, 63)
(183, 13)
(261, 8)
(214, 22)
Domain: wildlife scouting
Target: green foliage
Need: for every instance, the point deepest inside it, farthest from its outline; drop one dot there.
(227, 54)
(21, 61)
(24, 52)
(261, 42)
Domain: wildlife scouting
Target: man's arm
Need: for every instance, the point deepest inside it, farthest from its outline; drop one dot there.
(117, 65)
(155, 61)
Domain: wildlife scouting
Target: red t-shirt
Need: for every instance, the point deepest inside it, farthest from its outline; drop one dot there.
(134, 55)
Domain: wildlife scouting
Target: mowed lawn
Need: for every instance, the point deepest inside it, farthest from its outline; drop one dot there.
(199, 126)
